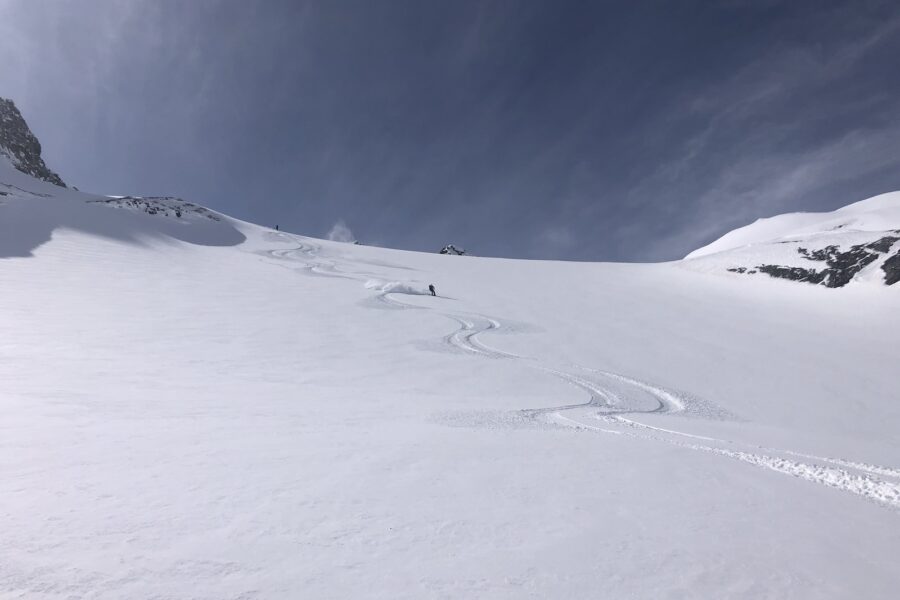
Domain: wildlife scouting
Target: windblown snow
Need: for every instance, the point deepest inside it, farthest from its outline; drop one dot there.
(198, 407)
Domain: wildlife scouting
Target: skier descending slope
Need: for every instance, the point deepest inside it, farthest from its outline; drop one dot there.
(431, 289)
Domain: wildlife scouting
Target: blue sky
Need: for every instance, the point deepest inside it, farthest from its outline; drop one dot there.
(627, 131)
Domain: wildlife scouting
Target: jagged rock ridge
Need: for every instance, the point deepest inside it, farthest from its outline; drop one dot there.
(21, 146)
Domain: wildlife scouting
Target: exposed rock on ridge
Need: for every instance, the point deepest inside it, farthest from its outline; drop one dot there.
(166, 206)
(451, 249)
(842, 266)
(21, 146)
(859, 242)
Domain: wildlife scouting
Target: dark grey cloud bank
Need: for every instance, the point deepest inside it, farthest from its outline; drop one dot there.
(594, 130)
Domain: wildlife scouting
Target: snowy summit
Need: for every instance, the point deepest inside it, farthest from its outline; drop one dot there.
(197, 406)
(854, 243)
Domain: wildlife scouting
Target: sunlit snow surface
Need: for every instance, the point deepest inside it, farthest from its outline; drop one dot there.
(197, 407)
(878, 214)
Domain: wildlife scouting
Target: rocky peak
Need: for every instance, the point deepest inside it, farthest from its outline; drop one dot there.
(21, 146)
(451, 249)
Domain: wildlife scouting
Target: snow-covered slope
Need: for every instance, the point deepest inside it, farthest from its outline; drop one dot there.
(33, 211)
(878, 214)
(195, 406)
(857, 243)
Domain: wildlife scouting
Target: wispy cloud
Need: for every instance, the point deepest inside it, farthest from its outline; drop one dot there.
(640, 137)
(787, 127)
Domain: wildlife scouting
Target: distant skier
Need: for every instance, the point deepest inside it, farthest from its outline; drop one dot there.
(431, 289)
(276, 228)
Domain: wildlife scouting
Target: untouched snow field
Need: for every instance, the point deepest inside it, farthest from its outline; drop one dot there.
(198, 407)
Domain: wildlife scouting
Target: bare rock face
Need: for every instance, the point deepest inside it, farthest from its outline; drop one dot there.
(451, 249)
(20, 146)
(841, 266)
(859, 242)
(891, 268)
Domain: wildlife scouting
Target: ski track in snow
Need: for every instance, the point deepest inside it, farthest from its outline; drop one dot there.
(612, 396)
(864, 484)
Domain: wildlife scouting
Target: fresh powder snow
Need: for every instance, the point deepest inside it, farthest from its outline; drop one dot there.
(199, 407)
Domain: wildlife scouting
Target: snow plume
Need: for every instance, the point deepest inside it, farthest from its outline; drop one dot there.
(339, 232)
(394, 287)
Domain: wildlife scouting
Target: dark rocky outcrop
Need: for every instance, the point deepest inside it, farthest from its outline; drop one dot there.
(795, 273)
(21, 146)
(891, 268)
(842, 266)
(451, 249)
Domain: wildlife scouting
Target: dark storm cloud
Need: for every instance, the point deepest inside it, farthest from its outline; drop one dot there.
(602, 131)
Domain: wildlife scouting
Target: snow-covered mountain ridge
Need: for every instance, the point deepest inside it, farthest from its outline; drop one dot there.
(858, 242)
(196, 406)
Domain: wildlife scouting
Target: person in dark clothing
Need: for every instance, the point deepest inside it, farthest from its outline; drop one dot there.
(431, 289)
(276, 228)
